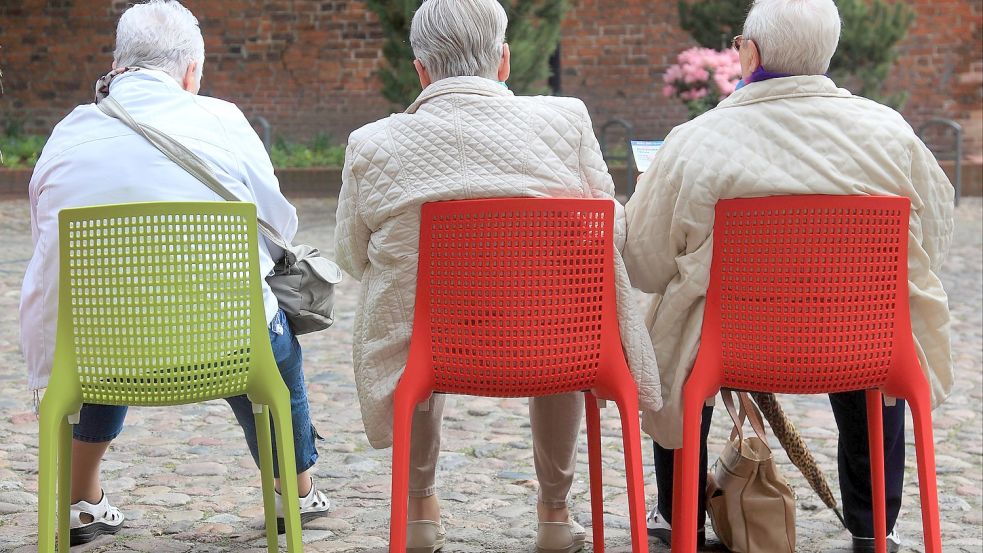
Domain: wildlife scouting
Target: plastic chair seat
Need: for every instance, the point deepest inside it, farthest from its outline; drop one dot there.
(160, 304)
(516, 298)
(807, 295)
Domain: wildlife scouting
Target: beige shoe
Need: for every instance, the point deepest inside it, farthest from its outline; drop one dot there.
(424, 536)
(560, 537)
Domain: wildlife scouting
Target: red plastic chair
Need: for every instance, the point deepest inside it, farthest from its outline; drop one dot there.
(516, 298)
(808, 295)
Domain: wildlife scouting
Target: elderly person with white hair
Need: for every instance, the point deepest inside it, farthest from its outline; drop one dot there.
(790, 130)
(93, 159)
(466, 136)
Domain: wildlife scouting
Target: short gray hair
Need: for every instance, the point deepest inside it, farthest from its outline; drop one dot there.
(454, 38)
(797, 37)
(160, 34)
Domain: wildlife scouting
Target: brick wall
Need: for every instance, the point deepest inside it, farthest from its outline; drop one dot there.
(941, 66)
(309, 67)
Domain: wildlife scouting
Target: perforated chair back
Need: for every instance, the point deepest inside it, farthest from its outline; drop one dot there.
(808, 294)
(515, 297)
(159, 310)
(512, 294)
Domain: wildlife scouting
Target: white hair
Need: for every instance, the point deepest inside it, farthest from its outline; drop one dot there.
(454, 38)
(160, 34)
(797, 37)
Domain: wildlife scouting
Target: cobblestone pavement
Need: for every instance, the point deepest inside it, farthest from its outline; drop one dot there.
(185, 481)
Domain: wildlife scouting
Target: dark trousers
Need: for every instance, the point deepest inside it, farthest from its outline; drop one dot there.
(853, 455)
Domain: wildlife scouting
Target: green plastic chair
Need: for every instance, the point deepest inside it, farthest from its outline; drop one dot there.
(160, 304)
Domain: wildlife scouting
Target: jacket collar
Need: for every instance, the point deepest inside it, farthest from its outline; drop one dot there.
(459, 85)
(785, 87)
(145, 74)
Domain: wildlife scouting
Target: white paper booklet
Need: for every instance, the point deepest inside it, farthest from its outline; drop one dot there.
(644, 151)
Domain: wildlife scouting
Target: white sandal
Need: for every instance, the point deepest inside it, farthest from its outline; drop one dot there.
(314, 505)
(100, 519)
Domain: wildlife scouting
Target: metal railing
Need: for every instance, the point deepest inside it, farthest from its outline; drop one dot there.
(267, 134)
(955, 154)
(627, 158)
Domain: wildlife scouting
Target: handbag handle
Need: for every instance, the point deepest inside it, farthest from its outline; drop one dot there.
(748, 410)
(186, 159)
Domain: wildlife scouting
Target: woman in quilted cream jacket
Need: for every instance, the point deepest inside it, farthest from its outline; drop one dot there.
(465, 137)
(790, 131)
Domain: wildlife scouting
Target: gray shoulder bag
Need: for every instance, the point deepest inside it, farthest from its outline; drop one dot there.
(303, 281)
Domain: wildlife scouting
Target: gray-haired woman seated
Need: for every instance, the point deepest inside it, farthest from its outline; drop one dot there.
(465, 137)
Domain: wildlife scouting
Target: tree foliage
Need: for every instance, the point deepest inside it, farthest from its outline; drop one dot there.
(533, 34)
(870, 32)
(713, 23)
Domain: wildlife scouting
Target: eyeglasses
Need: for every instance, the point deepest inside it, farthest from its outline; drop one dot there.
(737, 42)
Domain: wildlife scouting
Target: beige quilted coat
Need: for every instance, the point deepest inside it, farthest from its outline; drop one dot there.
(464, 138)
(798, 135)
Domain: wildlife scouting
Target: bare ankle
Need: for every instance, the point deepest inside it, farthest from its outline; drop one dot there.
(549, 513)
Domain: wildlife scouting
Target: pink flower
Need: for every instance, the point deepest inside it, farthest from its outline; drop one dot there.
(694, 94)
(700, 72)
(694, 74)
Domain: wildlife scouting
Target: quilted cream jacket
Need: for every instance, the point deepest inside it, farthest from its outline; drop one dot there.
(797, 135)
(464, 138)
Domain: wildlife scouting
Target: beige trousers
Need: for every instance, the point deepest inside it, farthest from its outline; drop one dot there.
(555, 422)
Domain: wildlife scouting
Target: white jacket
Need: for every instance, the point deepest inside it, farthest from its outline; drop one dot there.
(796, 135)
(93, 159)
(465, 137)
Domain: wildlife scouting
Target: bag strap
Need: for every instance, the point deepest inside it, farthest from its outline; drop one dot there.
(186, 159)
(748, 410)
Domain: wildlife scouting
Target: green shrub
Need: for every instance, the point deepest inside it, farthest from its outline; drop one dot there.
(871, 32)
(532, 35)
(320, 153)
(19, 151)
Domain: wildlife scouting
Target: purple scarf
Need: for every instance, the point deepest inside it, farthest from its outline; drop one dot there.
(762, 74)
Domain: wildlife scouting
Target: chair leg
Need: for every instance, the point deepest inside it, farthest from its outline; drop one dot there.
(264, 443)
(875, 440)
(283, 427)
(632, 438)
(403, 407)
(921, 415)
(686, 477)
(49, 443)
(594, 465)
(64, 502)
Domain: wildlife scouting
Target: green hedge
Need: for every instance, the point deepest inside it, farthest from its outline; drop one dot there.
(19, 151)
(320, 153)
(22, 151)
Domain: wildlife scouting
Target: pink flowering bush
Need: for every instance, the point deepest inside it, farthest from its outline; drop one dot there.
(702, 77)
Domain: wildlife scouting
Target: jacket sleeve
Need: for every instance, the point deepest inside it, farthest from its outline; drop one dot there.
(936, 192)
(651, 249)
(259, 177)
(351, 232)
(597, 178)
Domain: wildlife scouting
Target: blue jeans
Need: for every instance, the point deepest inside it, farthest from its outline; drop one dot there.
(102, 423)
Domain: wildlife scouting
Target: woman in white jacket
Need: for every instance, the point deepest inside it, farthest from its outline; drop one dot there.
(466, 136)
(790, 131)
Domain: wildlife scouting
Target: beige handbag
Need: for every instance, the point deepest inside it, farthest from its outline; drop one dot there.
(751, 506)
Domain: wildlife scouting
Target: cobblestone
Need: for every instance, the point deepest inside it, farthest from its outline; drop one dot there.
(186, 483)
